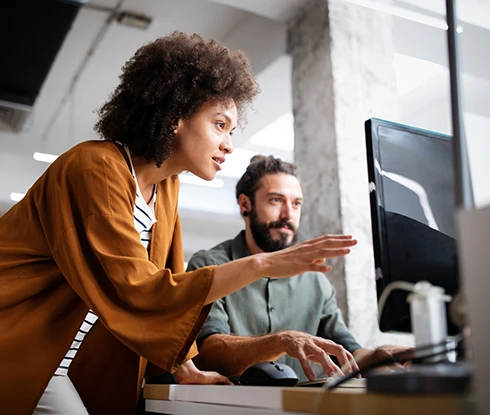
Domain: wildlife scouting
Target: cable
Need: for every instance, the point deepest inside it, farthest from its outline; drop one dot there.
(423, 288)
(395, 285)
(400, 357)
(403, 357)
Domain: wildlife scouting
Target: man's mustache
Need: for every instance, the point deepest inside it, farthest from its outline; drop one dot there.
(282, 224)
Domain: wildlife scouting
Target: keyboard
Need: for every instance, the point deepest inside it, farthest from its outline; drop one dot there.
(355, 383)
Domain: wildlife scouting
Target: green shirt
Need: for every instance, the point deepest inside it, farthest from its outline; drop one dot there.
(305, 302)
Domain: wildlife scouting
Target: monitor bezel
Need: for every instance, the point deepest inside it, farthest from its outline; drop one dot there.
(389, 318)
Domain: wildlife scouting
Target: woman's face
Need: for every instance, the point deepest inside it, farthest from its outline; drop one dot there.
(203, 140)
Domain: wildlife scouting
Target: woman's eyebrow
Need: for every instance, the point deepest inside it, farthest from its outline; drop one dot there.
(228, 119)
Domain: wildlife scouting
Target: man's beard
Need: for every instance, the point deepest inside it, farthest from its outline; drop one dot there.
(263, 237)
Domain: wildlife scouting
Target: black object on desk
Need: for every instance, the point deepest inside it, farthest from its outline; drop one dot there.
(440, 378)
(269, 374)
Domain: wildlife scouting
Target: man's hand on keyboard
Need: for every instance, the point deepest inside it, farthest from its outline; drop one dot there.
(306, 348)
(367, 357)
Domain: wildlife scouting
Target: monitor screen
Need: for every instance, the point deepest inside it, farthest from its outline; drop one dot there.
(412, 211)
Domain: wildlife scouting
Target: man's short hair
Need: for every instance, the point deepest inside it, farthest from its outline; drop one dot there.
(167, 80)
(260, 166)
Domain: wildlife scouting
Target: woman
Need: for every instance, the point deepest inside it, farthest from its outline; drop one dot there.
(92, 283)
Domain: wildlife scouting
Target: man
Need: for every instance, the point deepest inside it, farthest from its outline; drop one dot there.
(294, 321)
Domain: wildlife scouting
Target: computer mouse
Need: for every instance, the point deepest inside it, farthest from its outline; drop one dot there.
(269, 374)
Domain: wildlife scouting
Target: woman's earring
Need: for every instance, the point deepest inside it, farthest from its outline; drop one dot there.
(245, 213)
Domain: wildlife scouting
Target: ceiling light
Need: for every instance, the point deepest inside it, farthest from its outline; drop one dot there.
(135, 20)
(184, 178)
(44, 157)
(16, 196)
(191, 179)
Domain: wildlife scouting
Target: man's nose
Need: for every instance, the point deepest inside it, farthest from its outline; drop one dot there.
(286, 211)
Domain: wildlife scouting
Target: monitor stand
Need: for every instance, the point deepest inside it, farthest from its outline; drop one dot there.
(423, 378)
(432, 373)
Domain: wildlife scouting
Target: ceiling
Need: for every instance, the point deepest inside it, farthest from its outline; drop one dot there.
(86, 68)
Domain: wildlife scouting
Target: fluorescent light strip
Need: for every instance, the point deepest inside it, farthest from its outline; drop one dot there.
(16, 196)
(184, 178)
(188, 179)
(404, 13)
(44, 157)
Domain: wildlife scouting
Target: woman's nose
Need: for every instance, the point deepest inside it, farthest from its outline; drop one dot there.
(227, 145)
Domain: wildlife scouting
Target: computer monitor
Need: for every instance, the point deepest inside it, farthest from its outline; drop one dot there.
(412, 211)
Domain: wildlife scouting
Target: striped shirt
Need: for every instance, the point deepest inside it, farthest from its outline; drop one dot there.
(144, 218)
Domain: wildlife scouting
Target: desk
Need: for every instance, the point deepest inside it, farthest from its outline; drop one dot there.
(213, 399)
(255, 400)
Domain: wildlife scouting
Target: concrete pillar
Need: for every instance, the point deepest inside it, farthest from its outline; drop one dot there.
(343, 73)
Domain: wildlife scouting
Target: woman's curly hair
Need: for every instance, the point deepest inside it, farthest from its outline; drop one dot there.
(169, 79)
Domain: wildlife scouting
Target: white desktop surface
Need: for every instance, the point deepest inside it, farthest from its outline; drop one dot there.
(188, 408)
(214, 399)
(252, 396)
(251, 400)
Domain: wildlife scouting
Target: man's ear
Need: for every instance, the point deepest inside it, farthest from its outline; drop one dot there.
(244, 203)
